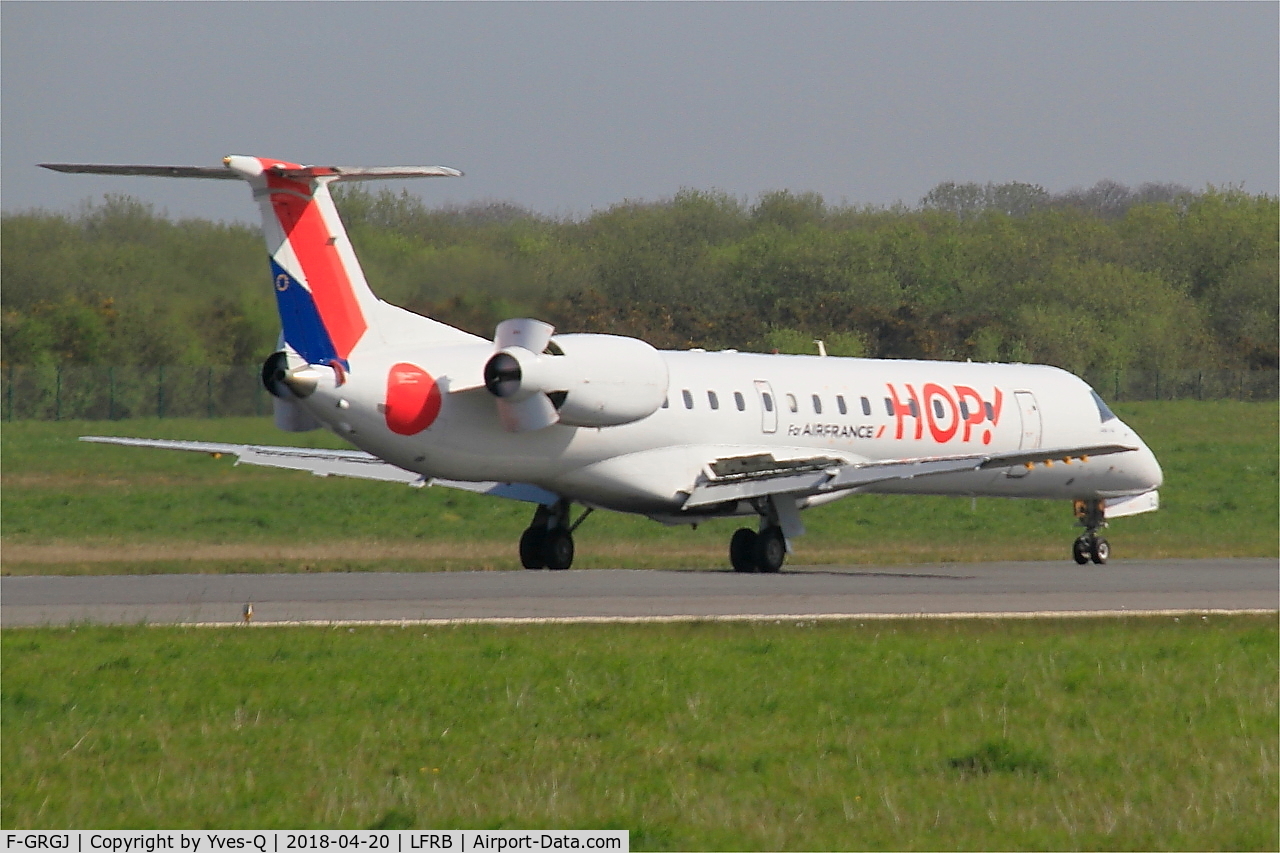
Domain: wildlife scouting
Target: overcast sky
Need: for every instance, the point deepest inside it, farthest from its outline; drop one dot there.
(571, 107)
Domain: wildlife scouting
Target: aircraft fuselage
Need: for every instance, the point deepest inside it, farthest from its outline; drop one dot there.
(858, 410)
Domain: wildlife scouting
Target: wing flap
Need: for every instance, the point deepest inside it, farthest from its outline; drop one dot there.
(526, 492)
(714, 492)
(758, 475)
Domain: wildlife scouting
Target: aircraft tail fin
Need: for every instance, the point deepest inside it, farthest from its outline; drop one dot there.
(326, 307)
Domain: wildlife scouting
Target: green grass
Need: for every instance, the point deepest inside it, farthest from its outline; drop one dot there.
(1219, 499)
(1152, 733)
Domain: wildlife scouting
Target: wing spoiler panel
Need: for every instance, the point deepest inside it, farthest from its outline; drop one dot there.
(751, 477)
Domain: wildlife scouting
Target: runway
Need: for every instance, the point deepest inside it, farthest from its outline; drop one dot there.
(982, 589)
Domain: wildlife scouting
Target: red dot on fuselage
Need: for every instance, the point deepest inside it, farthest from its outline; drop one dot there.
(986, 437)
(413, 399)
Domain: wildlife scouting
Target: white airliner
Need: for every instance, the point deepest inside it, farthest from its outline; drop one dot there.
(609, 422)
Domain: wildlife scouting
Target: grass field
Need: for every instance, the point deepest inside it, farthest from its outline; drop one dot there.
(67, 505)
(1075, 734)
(1152, 733)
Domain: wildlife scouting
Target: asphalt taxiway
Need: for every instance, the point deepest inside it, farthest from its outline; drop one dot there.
(981, 589)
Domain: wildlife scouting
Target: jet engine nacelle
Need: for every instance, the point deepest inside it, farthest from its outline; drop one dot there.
(288, 386)
(591, 380)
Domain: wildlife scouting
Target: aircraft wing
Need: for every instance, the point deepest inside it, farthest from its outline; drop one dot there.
(742, 477)
(332, 463)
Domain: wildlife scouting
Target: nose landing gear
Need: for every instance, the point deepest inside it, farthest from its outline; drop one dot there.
(1092, 516)
(1090, 547)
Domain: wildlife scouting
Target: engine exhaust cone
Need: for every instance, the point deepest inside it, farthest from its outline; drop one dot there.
(285, 383)
(302, 381)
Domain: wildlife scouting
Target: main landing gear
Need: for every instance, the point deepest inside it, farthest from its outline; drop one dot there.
(750, 551)
(766, 550)
(547, 543)
(1092, 516)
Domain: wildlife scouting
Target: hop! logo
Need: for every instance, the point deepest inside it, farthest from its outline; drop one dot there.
(948, 413)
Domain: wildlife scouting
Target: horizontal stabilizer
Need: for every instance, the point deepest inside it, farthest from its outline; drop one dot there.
(222, 173)
(284, 170)
(376, 173)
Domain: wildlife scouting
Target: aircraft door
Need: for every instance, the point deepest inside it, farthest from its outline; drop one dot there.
(768, 407)
(1032, 428)
(1031, 424)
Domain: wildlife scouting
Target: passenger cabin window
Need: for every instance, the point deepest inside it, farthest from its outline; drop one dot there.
(910, 406)
(964, 410)
(666, 402)
(768, 402)
(937, 409)
(991, 413)
(792, 404)
(688, 399)
(844, 410)
(866, 406)
(713, 400)
(817, 404)
(739, 401)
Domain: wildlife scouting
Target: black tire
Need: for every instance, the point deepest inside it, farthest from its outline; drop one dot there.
(742, 550)
(1099, 551)
(771, 550)
(1080, 551)
(531, 548)
(557, 549)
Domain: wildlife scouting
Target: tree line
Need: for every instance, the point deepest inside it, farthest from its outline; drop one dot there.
(1107, 278)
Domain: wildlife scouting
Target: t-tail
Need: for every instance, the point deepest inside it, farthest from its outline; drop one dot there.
(327, 311)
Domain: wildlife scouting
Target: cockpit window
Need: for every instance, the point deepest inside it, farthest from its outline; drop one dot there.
(1103, 412)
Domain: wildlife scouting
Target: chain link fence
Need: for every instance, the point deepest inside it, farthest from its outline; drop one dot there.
(1119, 386)
(51, 393)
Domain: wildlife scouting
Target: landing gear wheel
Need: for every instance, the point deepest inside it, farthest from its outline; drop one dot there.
(557, 548)
(531, 548)
(771, 550)
(1091, 514)
(742, 550)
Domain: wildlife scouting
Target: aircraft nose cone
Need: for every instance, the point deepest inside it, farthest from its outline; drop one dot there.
(1141, 470)
(1149, 469)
